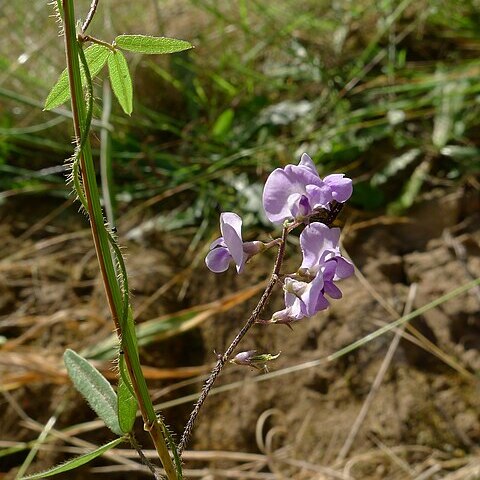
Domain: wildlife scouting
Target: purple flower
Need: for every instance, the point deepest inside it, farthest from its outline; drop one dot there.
(306, 297)
(322, 265)
(230, 245)
(295, 191)
(302, 299)
(320, 245)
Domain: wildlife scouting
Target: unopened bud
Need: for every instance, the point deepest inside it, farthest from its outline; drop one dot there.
(243, 358)
(251, 359)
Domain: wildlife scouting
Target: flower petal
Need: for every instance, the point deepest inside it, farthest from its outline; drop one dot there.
(218, 259)
(231, 228)
(344, 268)
(312, 294)
(319, 196)
(307, 162)
(341, 186)
(315, 240)
(217, 242)
(298, 205)
(332, 290)
(322, 304)
(235, 246)
(280, 185)
(232, 219)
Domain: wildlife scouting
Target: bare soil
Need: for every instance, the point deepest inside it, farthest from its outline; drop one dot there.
(424, 417)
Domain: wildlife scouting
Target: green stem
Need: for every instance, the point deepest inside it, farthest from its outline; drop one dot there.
(89, 38)
(102, 245)
(106, 170)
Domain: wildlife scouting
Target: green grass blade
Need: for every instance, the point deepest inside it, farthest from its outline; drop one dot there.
(147, 332)
(75, 462)
(410, 190)
(397, 323)
(223, 125)
(96, 56)
(121, 81)
(167, 326)
(95, 388)
(151, 45)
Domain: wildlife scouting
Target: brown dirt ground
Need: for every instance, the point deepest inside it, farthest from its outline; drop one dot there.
(423, 420)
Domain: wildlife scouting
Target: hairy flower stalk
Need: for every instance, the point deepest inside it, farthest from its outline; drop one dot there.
(294, 196)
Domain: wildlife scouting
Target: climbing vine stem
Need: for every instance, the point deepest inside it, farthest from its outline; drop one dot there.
(85, 183)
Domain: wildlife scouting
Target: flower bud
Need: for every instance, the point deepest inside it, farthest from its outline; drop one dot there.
(251, 359)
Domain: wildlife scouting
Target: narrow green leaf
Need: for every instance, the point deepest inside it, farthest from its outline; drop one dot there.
(151, 45)
(121, 81)
(75, 462)
(95, 388)
(127, 404)
(96, 56)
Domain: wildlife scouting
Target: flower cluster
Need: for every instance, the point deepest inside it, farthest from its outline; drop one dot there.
(322, 265)
(294, 194)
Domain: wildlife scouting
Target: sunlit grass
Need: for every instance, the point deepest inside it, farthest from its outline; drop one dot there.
(359, 86)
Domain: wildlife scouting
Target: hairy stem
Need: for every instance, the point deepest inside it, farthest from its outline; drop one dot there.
(90, 15)
(222, 360)
(102, 247)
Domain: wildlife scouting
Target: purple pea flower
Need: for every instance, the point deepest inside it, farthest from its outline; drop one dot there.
(302, 299)
(320, 246)
(296, 191)
(322, 265)
(288, 315)
(230, 245)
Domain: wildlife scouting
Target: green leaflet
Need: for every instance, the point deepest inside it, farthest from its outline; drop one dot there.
(75, 462)
(151, 45)
(95, 388)
(121, 82)
(127, 404)
(96, 56)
